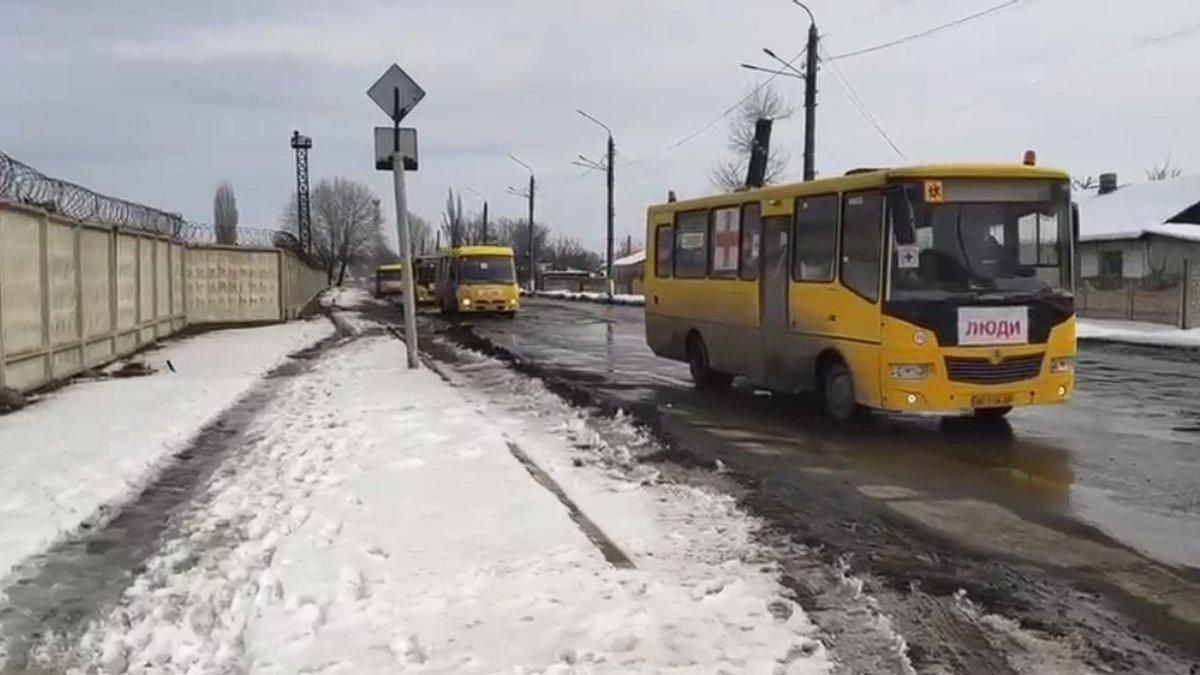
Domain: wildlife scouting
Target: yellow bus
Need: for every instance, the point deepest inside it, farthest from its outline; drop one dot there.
(944, 288)
(426, 280)
(478, 279)
(389, 280)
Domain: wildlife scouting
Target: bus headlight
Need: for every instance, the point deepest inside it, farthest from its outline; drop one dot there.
(909, 371)
(920, 338)
(1064, 364)
(466, 302)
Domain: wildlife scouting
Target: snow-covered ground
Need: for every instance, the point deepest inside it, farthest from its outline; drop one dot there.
(384, 520)
(615, 299)
(1131, 332)
(1138, 332)
(95, 442)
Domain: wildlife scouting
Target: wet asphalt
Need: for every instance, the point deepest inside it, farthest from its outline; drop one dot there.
(1079, 520)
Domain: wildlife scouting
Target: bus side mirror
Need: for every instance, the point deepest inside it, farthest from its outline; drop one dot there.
(903, 220)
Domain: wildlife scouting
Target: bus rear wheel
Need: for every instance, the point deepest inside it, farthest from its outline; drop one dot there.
(702, 373)
(837, 394)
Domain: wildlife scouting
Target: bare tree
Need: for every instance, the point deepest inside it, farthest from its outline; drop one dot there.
(1164, 171)
(515, 234)
(1084, 183)
(346, 225)
(422, 240)
(422, 234)
(763, 102)
(225, 214)
(569, 253)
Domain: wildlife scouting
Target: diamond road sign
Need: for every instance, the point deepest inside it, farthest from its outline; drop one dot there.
(384, 92)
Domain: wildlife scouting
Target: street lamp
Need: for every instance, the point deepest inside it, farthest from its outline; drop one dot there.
(608, 166)
(532, 239)
(483, 235)
(810, 93)
(751, 66)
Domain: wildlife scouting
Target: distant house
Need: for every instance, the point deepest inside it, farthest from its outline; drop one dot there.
(629, 272)
(1139, 251)
(1141, 230)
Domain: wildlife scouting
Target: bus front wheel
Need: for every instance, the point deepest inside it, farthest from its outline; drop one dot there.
(702, 373)
(837, 393)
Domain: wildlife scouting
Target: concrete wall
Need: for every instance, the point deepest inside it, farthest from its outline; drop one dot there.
(74, 295)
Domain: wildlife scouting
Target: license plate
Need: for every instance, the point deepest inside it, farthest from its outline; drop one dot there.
(991, 400)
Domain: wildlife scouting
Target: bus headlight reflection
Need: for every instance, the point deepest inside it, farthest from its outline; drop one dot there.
(909, 371)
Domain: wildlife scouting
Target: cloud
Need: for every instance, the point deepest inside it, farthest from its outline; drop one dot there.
(160, 101)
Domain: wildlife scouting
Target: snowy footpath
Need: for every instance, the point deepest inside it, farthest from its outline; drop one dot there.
(70, 454)
(377, 519)
(1138, 333)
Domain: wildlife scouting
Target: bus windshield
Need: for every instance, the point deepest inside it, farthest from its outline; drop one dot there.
(984, 249)
(486, 269)
(426, 272)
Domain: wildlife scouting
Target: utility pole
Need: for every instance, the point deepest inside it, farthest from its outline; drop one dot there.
(609, 166)
(608, 271)
(532, 236)
(302, 144)
(483, 234)
(532, 229)
(810, 96)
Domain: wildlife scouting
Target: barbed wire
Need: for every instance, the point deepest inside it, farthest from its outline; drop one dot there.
(23, 184)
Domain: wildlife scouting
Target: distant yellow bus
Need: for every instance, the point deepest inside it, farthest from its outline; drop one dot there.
(942, 288)
(426, 280)
(478, 279)
(389, 280)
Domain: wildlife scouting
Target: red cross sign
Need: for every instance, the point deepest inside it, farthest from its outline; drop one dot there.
(726, 235)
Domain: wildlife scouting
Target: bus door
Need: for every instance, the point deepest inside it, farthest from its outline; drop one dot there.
(773, 299)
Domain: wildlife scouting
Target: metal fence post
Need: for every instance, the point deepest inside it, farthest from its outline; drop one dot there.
(114, 330)
(3, 358)
(77, 229)
(44, 291)
(1185, 287)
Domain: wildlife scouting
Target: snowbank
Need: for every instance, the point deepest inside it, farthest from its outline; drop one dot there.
(382, 523)
(1138, 333)
(604, 298)
(93, 442)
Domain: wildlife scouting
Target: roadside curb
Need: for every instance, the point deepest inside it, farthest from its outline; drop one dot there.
(598, 298)
(1137, 343)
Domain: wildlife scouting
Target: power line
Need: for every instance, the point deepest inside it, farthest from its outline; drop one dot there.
(929, 31)
(866, 18)
(858, 103)
(1152, 42)
(725, 113)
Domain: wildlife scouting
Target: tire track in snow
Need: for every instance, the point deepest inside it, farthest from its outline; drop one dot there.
(50, 598)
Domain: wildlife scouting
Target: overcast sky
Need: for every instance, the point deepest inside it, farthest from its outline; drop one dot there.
(157, 101)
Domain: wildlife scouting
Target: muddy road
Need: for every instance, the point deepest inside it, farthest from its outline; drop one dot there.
(1065, 535)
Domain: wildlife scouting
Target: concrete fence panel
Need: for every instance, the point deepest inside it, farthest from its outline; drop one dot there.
(76, 295)
(231, 285)
(21, 284)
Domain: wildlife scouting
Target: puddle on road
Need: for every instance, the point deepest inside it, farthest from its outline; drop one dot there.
(50, 598)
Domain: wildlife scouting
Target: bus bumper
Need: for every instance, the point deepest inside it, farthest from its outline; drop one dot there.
(941, 395)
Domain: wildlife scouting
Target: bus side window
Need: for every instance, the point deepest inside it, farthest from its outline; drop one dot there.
(751, 240)
(691, 245)
(664, 241)
(862, 218)
(814, 245)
